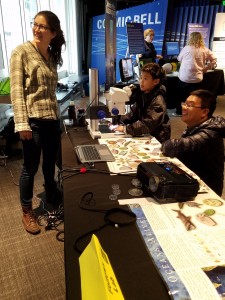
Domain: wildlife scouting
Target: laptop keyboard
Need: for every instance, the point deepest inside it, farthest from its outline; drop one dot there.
(91, 153)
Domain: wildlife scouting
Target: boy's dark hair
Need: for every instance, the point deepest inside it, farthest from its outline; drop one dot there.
(155, 70)
(208, 100)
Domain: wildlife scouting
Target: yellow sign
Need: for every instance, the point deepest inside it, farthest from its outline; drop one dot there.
(98, 280)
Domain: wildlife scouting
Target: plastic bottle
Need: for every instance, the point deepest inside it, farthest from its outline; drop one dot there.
(72, 113)
(81, 117)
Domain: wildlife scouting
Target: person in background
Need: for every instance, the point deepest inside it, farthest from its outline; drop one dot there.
(33, 79)
(148, 113)
(201, 146)
(195, 60)
(150, 51)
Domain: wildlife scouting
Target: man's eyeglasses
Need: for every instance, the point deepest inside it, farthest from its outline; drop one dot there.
(39, 26)
(190, 105)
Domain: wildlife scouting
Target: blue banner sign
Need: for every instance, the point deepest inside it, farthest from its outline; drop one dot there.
(204, 29)
(151, 15)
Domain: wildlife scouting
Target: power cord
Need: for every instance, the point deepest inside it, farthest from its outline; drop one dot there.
(116, 217)
(3, 159)
(87, 200)
(84, 169)
(52, 220)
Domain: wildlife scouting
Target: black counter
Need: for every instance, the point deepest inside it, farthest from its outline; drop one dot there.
(131, 262)
(212, 81)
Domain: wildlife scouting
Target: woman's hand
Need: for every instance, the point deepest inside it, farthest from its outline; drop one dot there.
(159, 56)
(25, 135)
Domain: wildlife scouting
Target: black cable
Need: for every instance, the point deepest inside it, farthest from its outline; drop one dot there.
(59, 234)
(76, 248)
(87, 198)
(112, 217)
(77, 171)
(4, 164)
(52, 220)
(87, 202)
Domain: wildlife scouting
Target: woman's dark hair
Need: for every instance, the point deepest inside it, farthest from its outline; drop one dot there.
(155, 70)
(58, 41)
(208, 100)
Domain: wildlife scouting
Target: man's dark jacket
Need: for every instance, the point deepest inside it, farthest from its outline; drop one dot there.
(201, 149)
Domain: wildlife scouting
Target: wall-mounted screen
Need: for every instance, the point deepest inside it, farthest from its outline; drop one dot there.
(172, 48)
(126, 69)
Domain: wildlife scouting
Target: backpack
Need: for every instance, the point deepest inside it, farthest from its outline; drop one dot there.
(8, 132)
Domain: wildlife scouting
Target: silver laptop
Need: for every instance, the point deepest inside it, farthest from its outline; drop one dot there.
(93, 153)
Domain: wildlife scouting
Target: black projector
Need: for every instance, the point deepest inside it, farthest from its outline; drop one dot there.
(167, 182)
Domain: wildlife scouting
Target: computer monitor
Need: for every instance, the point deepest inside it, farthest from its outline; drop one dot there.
(126, 69)
(172, 48)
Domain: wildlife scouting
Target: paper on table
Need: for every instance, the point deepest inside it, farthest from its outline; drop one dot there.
(193, 256)
(130, 152)
(98, 280)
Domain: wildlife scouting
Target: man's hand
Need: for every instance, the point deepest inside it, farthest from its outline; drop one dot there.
(25, 135)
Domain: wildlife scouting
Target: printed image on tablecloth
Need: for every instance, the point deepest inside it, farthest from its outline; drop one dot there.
(130, 152)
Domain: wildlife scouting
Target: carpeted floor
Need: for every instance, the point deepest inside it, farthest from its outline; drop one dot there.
(32, 267)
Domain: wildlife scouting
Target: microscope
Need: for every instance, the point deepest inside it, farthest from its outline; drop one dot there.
(116, 100)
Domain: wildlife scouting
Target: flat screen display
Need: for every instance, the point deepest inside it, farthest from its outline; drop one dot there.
(126, 69)
(172, 48)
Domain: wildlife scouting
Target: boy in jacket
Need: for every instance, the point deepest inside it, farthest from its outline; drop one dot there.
(148, 113)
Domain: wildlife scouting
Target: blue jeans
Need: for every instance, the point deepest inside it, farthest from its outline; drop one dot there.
(46, 140)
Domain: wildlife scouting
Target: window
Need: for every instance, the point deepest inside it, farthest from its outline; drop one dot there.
(16, 30)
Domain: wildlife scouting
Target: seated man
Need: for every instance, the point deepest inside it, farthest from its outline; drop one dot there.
(201, 146)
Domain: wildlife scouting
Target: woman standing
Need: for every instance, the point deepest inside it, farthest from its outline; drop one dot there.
(150, 51)
(195, 60)
(33, 79)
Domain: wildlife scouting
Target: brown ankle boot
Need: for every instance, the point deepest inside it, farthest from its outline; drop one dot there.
(29, 220)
